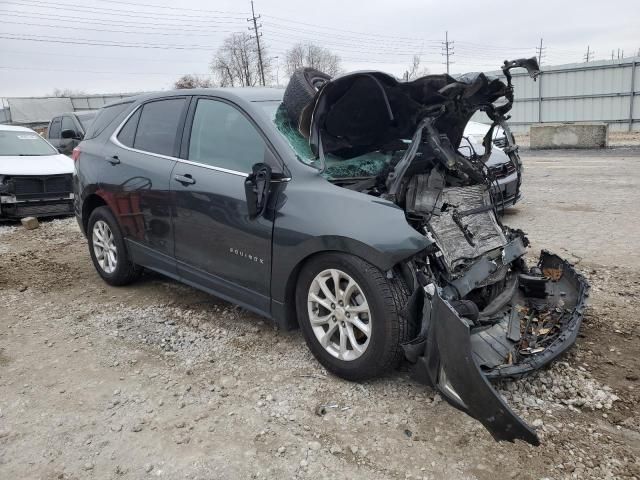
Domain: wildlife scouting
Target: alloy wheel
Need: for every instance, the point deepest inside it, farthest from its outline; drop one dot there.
(104, 246)
(339, 314)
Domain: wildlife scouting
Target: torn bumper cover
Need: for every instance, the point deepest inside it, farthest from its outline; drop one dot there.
(458, 355)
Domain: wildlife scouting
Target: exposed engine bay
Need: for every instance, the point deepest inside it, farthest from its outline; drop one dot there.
(481, 312)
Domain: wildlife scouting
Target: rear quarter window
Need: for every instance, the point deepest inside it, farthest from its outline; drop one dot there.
(105, 116)
(158, 126)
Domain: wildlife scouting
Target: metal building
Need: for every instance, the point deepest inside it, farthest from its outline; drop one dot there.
(38, 111)
(605, 91)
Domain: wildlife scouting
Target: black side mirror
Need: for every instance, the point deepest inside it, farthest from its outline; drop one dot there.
(256, 188)
(67, 134)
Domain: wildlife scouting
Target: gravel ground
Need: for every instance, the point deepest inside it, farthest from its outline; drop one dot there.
(160, 380)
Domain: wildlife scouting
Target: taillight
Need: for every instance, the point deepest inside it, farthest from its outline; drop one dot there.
(75, 155)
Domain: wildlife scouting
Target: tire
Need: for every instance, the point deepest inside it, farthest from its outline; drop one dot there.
(302, 88)
(388, 322)
(123, 271)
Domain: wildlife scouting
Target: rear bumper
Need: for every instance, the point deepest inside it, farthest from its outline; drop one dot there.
(36, 208)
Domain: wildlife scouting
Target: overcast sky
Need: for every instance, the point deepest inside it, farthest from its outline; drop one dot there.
(45, 45)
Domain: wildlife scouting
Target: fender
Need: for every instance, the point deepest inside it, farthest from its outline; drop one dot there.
(312, 220)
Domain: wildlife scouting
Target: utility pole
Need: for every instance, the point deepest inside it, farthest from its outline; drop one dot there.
(540, 52)
(257, 35)
(589, 55)
(447, 49)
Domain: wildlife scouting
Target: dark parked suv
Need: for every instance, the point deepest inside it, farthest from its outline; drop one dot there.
(345, 208)
(66, 131)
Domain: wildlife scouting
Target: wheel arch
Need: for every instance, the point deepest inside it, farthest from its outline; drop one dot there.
(89, 204)
(283, 300)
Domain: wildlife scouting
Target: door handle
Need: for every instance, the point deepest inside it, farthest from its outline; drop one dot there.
(114, 160)
(184, 179)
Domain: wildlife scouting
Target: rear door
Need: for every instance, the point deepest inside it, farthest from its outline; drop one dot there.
(217, 245)
(137, 166)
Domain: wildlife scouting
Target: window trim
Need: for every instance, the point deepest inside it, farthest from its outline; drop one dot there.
(114, 139)
(181, 125)
(186, 137)
(97, 133)
(121, 127)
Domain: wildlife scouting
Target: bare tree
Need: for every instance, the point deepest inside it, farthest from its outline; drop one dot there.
(192, 81)
(67, 92)
(237, 64)
(314, 56)
(414, 70)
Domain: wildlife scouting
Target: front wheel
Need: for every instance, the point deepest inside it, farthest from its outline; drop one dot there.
(107, 249)
(352, 316)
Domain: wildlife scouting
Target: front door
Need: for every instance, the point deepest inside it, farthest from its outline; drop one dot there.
(136, 173)
(217, 245)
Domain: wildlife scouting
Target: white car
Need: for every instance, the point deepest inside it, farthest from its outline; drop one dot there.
(35, 180)
(507, 175)
(477, 131)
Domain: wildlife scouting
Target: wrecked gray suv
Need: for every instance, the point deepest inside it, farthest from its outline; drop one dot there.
(476, 311)
(344, 207)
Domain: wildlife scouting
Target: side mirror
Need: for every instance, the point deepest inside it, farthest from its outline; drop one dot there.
(69, 134)
(256, 188)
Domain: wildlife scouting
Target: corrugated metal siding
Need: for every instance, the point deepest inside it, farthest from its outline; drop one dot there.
(605, 88)
(39, 110)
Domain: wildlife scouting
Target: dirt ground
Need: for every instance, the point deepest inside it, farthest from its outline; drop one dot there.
(159, 380)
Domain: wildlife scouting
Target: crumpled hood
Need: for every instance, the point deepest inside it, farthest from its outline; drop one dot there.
(366, 111)
(35, 165)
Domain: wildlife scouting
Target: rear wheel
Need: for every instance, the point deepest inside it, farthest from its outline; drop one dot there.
(107, 249)
(352, 316)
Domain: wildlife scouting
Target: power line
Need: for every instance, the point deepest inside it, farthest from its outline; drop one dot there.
(345, 35)
(257, 37)
(117, 72)
(329, 37)
(365, 34)
(127, 23)
(129, 32)
(337, 45)
(101, 57)
(116, 12)
(106, 43)
(180, 8)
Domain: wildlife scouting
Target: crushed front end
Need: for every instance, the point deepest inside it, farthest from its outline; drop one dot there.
(481, 313)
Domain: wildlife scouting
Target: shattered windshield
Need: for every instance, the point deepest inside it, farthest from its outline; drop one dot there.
(363, 166)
